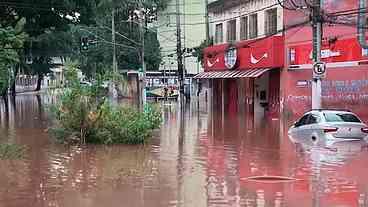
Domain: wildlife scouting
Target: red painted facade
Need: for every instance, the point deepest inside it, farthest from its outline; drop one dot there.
(289, 89)
(233, 95)
(345, 85)
(251, 54)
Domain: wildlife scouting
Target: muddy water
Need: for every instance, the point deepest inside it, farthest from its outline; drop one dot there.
(197, 159)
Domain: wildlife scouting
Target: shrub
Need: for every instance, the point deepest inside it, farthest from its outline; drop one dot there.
(83, 114)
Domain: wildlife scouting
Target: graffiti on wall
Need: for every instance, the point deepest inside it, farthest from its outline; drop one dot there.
(335, 93)
(344, 86)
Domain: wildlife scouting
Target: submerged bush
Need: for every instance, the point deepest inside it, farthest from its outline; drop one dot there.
(125, 125)
(83, 114)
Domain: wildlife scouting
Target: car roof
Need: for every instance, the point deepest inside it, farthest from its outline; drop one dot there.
(332, 110)
(335, 111)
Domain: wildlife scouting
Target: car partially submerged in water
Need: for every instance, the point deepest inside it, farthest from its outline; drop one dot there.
(329, 126)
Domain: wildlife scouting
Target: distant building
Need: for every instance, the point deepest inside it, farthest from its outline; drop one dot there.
(54, 79)
(193, 34)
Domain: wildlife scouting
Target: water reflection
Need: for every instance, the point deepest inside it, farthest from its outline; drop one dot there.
(196, 159)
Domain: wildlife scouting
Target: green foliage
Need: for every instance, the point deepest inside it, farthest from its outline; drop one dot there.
(11, 151)
(98, 58)
(83, 115)
(11, 39)
(125, 125)
(199, 53)
(47, 24)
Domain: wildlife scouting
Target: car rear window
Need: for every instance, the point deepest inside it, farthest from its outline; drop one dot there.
(336, 117)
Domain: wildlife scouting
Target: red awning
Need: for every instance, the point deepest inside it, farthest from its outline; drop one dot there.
(254, 73)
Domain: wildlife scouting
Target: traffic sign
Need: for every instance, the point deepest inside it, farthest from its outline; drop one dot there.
(319, 70)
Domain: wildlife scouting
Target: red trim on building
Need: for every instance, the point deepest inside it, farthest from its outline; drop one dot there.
(333, 51)
(261, 53)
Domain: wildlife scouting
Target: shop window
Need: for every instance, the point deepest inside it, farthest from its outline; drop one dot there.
(271, 21)
(244, 28)
(364, 52)
(231, 30)
(253, 26)
(219, 33)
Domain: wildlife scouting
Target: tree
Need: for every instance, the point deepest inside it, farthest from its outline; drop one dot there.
(46, 24)
(55, 29)
(11, 39)
(128, 36)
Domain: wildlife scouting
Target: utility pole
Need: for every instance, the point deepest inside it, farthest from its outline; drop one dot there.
(179, 52)
(142, 34)
(114, 63)
(207, 21)
(317, 42)
(113, 89)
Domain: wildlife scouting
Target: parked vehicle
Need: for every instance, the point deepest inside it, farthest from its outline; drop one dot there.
(163, 92)
(85, 83)
(328, 126)
(334, 153)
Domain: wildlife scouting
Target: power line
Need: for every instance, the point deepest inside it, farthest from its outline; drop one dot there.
(251, 42)
(33, 6)
(121, 35)
(106, 41)
(237, 16)
(349, 10)
(183, 14)
(285, 7)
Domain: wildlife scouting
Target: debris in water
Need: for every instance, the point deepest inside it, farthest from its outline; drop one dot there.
(270, 179)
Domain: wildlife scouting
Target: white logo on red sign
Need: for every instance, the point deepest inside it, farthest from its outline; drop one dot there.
(254, 61)
(210, 65)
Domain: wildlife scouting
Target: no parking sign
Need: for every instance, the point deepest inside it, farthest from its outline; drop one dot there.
(319, 70)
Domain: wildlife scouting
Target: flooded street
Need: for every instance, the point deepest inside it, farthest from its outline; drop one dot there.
(195, 160)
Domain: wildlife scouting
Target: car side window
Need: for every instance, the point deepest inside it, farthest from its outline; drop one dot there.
(313, 119)
(302, 121)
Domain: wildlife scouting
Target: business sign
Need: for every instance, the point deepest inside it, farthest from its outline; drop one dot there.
(245, 55)
(231, 57)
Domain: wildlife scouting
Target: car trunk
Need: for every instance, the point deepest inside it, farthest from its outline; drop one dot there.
(348, 130)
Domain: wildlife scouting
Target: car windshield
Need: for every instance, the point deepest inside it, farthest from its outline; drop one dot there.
(340, 117)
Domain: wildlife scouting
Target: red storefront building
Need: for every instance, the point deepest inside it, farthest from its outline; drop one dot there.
(249, 70)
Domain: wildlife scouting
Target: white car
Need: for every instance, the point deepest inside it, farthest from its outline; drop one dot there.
(328, 126)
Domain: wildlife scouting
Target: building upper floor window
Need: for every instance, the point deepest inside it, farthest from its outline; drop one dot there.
(231, 30)
(219, 33)
(271, 21)
(244, 28)
(253, 26)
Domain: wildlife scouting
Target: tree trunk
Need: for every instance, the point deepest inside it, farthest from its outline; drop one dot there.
(13, 82)
(6, 104)
(12, 89)
(39, 82)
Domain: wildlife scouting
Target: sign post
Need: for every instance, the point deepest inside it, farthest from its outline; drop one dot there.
(318, 67)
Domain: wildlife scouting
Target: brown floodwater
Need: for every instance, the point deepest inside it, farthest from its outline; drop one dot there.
(196, 159)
